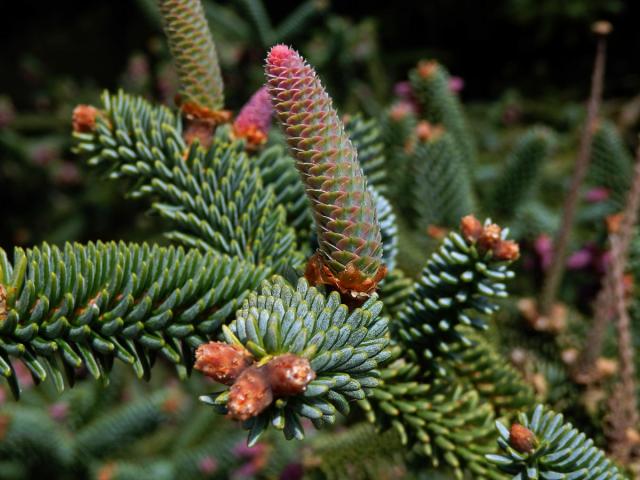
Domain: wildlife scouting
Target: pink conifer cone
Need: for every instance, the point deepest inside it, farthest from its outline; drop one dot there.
(254, 119)
(349, 257)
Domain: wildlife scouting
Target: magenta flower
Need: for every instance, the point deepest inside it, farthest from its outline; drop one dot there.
(580, 259)
(207, 465)
(597, 194)
(543, 246)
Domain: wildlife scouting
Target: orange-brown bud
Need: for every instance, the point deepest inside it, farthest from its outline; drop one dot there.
(471, 228)
(221, 361)
(507, 250)
(250, 395)
(84, 118)
(426, 68)
(490, 237)
(521, 438)
(437, 232)
(399, 111)
(289, 374)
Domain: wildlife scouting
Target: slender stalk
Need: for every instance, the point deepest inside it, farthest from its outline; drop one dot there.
(623, 414)
(605, 302)
(561, 242)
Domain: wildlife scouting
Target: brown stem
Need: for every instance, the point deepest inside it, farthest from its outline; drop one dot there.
(561, 242)
(623, 414)
(605, 302)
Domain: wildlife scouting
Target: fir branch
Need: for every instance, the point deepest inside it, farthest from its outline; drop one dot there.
(87, 305)
(522, 170)
(215, 199)
(458, 285)
(544, 446)
(444, 421)
(442, 191)
(343, 350)
(440, 105)
(366, 138)
(611, 163)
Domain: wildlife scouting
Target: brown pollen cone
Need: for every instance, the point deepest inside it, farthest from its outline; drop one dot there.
(490, 237)
(222, 362)
(201, 122)
(471, 228)
(84, 118)
(250, 395)
(521, 438)
(507, 250)
(289, 374)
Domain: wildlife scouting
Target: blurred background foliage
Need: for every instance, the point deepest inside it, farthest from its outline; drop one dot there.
(520, 61)
(516, 63)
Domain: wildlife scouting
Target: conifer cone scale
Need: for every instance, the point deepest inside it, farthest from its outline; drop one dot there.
(349, 257)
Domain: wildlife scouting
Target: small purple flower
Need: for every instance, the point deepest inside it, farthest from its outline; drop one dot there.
(207, 465)
(403, 90)
(543, 246)
(580, 259)
(597, 194)
(456, 84)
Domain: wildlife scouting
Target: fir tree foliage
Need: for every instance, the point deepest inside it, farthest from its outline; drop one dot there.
(556, 450)
(86, 305)
(442, 191)
(611, 163)
(445, 422)
(440, 105)
(521, 172)
(367, 139)
(214, 198)
(458, 287)
(344, 349)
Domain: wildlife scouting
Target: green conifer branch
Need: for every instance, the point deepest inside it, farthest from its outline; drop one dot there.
(520, 175)
(86, 305)
(343, 349)
(440, 105)
(442, 191)
(458, 287)
(215, 199)
(545, 446)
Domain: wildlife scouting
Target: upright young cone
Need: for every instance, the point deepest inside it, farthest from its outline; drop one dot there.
(201, 95)
(350, 253)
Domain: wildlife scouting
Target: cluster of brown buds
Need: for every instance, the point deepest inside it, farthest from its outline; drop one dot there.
(84, 118)
(488, 238)
(254, 385)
